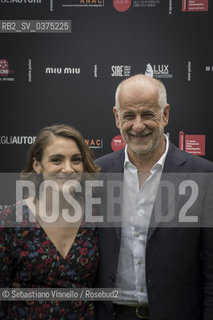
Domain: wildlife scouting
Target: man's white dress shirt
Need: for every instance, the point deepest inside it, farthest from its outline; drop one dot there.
(137, 207)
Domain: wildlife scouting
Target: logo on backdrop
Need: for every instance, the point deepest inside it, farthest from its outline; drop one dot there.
(63, 70)
(158, 70)
(145, 3)
(120, 71)
(4, 68)
(122, 5)
(189, 74)
(17, 139)
(5, 71)
(22, 1)
(209, 68)
(117, 143)
(193, 143)
(83, 3)
(95, 143)
(149, 70)
(195, 5)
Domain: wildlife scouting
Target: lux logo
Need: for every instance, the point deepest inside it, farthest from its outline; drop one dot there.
(161, 68)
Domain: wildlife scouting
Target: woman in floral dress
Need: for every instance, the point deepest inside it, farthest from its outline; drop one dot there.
(56, 253)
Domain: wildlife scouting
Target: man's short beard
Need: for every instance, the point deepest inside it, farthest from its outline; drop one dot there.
(146, 151)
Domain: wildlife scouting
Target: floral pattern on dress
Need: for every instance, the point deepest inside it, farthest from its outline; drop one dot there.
(30, 259)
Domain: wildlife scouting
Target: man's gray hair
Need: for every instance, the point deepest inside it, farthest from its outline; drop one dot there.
(162, 95)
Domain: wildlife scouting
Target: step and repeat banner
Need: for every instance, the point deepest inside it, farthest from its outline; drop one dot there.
(61, 60)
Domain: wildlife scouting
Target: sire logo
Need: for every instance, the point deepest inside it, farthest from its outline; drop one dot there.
(120, 71)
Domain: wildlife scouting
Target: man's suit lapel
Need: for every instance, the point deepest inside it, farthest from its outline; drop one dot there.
(174, 164)
(117, 166)
(175, 160)
(118, 162)
(173, 172)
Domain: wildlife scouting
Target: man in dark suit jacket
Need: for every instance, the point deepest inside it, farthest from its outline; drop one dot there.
(165, 272)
